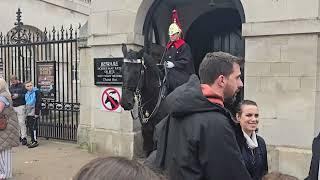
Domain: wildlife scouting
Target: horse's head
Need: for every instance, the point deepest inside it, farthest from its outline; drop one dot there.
(131, 76)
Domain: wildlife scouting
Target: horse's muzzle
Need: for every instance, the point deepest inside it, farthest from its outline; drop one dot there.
(126, 105)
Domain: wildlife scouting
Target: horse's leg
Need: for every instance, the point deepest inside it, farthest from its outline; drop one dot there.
(147, 134)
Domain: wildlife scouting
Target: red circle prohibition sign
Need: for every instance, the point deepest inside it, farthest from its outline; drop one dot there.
(114, 105)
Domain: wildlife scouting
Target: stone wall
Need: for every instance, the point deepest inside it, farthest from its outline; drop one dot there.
(108, 27)
(44, 13)
(279, 10)
(282, 75)
(104, 132)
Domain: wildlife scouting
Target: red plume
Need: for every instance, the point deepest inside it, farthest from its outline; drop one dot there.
(175, 18)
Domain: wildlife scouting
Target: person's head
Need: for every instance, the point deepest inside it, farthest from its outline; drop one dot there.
(3, 85)
(174, 32)
(278, 176)
(247, 115)
(28, 85)
(4, 90)
(221, 71)
(175, 37)
(115, 168)
(14, 80)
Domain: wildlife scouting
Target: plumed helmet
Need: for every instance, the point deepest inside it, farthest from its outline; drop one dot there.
(175, 27)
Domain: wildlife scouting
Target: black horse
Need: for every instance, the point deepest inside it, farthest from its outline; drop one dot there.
(142, 83)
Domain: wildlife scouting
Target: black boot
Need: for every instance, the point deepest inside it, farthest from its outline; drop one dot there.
(24, 141)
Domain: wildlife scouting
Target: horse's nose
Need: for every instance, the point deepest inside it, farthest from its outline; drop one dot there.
(126, 106)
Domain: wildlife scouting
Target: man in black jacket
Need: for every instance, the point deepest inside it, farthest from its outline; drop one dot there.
(198, 140)
(314, 166)
(18, 92)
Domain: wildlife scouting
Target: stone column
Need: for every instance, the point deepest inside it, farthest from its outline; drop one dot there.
(282, 75)
(110, 24)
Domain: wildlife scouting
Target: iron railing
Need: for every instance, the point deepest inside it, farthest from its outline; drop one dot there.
(50, 59)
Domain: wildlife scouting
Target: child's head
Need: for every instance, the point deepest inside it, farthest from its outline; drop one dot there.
(28, 85)
(278, 176)
(115, 168)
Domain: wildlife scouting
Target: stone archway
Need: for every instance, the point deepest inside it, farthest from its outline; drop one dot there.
(153, 16)
(206, 28)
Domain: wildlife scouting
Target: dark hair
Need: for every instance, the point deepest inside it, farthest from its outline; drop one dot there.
(115, 168)
(278, 176)
(244, 102)
(215, 64)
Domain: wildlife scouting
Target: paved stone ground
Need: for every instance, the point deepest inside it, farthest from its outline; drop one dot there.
(51, 160)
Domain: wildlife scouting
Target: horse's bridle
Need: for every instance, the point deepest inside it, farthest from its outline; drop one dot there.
(136, 89)
(144, 117)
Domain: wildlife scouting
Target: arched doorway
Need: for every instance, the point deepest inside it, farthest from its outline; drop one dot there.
(207, 20)
(217, 30)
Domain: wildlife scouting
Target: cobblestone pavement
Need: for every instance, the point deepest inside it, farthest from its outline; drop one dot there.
(51, 160)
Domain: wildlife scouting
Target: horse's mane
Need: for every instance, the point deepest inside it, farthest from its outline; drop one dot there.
(155, 56)
(151, 59)
(151, 64)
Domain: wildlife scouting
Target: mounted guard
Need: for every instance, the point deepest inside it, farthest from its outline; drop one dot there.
(178, 57)
(143, 83)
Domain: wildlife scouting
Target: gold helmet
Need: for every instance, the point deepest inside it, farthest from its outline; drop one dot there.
(173, 29)
(175, 26)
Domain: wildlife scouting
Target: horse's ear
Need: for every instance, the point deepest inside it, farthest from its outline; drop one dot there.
(124, 50)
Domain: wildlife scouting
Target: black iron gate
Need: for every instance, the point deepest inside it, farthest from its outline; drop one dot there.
(50, 60)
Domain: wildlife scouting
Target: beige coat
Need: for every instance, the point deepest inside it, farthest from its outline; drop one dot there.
(10, 136)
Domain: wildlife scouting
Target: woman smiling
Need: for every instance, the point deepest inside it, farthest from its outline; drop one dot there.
(252, 146)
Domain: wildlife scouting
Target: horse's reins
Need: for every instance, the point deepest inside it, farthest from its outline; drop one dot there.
(160, 96)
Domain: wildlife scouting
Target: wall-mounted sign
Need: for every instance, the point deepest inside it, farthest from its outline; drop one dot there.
(110, 99)
(107, 71)
(46, 76)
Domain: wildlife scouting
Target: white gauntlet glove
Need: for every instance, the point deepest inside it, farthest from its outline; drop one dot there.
(169, 64)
